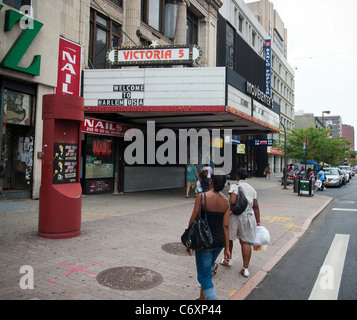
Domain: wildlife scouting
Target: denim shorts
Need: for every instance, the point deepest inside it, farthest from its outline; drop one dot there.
(204, 261)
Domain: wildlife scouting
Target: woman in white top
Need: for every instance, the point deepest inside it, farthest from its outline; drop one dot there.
(243, 226)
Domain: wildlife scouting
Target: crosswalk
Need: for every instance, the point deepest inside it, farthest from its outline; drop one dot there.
(327, 284)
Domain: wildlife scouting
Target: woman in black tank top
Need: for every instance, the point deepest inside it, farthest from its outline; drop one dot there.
(218, 210)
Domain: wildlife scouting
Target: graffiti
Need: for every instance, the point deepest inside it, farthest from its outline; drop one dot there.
(17, 107)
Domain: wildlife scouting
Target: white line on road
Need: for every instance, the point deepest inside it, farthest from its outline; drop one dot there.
(327, 284)
(344, 209)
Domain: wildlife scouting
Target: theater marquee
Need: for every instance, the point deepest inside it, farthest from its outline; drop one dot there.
(173, 55)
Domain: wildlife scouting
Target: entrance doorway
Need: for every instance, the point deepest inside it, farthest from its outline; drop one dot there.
(17, 158)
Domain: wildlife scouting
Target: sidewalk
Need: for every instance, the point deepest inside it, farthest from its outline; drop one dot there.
(139, 230)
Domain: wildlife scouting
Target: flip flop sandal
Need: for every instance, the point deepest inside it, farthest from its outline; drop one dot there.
(226, 263)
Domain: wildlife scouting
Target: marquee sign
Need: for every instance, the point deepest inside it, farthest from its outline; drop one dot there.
(153, 55)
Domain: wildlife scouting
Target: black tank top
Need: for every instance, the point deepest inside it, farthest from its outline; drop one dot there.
(215, 223)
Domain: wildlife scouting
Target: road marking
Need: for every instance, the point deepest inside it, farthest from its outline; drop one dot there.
(344, 209)
(327, 284)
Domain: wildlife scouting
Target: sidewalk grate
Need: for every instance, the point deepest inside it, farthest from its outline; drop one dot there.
(129, 278)
(176, 248)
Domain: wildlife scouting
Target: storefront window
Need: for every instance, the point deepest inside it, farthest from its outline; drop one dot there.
(17, 108)
(99, 158)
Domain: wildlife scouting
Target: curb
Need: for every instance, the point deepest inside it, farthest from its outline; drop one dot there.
(249, 286)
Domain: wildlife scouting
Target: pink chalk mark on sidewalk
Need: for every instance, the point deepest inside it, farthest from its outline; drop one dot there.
(52, 282)
(75, 269)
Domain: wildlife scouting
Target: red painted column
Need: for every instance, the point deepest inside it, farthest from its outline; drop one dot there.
(60, 192)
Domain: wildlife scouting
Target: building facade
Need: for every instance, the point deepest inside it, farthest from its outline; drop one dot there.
(255, 23)
(334, 123)
(348, 132)
(45, 46)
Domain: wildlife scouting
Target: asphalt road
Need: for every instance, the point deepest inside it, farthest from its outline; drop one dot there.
(323, 263)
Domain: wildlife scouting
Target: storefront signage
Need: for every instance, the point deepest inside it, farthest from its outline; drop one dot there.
(235, 139)
(144, 55)
(268, 67)
(104, 127)
(131, 95)
(275, 151)
(256, 93)
(14, 55)
(263, 142)
(69, 68)
(65, 163)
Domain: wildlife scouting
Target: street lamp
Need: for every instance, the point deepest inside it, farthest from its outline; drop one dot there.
(323, 155)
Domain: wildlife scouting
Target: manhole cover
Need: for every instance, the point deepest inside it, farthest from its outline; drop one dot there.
(129, 278)
(174, 248)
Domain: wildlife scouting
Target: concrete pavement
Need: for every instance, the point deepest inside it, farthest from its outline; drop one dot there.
(139, 230)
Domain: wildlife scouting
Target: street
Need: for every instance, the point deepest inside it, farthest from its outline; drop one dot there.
(322, 264)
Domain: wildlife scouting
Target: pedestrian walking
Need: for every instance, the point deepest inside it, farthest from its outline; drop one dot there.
(267, 171)
(191, 178)
(202, 183)
(218, 210)
(243, 226)
(321, 177)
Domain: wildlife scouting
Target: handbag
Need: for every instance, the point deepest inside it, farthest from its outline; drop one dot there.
(241, 203)
(198, 235)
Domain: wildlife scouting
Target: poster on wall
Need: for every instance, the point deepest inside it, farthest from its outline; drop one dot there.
(65, 163)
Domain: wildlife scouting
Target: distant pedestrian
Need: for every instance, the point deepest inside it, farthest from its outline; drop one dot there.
(218, 210)
(209, 171)
(243, 226)
(202, 183)
(191, 178)
(321, 177)
(267, 171)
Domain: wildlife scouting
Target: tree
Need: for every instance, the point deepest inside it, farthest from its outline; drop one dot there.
(321, 147)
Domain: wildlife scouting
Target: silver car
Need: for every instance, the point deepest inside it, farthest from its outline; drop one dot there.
(333, 177)
(348, 169)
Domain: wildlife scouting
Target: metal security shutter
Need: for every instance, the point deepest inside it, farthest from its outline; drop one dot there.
(153, 178)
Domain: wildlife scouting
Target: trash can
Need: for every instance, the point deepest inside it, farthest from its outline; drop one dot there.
(306, 188)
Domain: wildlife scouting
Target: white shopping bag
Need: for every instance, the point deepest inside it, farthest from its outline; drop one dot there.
(262, 238)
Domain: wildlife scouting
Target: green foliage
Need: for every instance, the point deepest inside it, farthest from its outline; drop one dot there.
(320, 146)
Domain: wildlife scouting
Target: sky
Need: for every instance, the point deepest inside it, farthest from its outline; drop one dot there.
(322, 48)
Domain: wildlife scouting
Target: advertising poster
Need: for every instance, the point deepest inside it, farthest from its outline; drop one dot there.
(65, 163)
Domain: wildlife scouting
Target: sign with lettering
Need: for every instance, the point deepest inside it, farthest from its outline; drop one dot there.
(131, 95)
(102, 127)
(153, 55)
(69, 68)
(256, 93)
(263, 142)
(268, 67)
(14, 55)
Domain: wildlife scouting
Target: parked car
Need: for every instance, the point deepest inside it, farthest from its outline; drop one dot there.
(346, 174)
(348, 169)
(333, 177)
